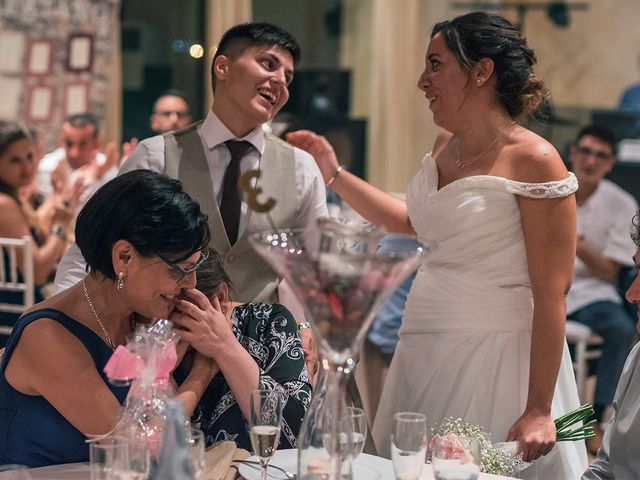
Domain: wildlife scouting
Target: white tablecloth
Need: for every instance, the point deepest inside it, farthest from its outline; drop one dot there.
(80, 471)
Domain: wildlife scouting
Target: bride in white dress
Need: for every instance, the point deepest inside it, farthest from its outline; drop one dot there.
(483, 333)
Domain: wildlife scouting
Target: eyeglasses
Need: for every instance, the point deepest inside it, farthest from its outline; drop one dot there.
(587, 152)
(185, 272)
(168, 113)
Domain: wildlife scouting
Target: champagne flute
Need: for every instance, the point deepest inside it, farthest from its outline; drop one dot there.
(196, 443)
(455, 457)
(265, 419)
(358, 428)
(408, 444)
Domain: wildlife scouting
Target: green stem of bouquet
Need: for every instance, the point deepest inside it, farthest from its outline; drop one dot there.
(564, 424)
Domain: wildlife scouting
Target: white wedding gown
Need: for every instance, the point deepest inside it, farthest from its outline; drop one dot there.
(466, 333)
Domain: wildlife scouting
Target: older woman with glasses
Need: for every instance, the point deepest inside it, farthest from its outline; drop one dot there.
(142, 237)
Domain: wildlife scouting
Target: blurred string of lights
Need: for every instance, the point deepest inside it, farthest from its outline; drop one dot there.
(193, 49)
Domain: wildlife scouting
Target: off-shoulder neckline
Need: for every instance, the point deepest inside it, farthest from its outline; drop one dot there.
(506, 180)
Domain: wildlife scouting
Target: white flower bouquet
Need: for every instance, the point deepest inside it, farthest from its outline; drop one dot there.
(502, 458)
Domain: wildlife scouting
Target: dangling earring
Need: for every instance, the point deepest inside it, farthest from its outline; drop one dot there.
(120, 282)
(478, 82)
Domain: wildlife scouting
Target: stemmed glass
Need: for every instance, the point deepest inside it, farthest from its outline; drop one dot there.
(341, 279)
(408, 444)
(455, 457)
(265, 420)
(358, 429)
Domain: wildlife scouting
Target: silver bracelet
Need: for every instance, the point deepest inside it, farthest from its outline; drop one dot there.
(303, 325)
(335, 175)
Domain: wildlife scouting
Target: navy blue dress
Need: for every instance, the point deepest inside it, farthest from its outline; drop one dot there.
(32, 432)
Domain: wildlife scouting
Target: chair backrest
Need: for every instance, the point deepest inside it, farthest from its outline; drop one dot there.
(16, 276)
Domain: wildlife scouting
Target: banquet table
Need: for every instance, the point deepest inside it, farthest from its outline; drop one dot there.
(80, 471)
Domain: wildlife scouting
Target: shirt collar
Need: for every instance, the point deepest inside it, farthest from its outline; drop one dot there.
(214, 132)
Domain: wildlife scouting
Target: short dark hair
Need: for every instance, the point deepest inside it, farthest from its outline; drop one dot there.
(211, 274)
(81, 120)
(635, 228)
(479, 35)
(601, 133)
(149, 210)
(245, 35)
(172, 92)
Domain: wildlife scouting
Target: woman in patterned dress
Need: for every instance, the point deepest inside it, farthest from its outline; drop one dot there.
(255, 346)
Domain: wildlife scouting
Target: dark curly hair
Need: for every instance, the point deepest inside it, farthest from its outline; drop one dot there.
(149, 210)
(479, 35)
(635, 228)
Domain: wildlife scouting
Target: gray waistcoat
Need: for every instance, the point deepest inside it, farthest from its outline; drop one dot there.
(252, 278)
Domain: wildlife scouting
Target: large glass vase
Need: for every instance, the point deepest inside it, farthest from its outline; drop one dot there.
(341, 279)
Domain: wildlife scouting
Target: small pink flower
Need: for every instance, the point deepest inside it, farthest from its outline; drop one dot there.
(450, 447)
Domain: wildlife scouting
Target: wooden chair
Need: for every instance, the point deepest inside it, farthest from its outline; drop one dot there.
(586, 347)
(16, 276)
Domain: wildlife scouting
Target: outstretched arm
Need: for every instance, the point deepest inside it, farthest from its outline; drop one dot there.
(378, 207)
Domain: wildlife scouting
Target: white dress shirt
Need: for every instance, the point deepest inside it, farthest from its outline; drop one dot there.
(604, 223)
(149, 154)
(50, 162)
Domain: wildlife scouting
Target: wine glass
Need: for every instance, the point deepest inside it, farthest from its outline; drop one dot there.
(358, 429)
(455, 457)
(342, 280)
(265, 419)
(408, 444)
(195, 441)
(109, 457)
(14, 471)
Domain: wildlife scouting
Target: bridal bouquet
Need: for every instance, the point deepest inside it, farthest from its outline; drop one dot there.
(502, 458)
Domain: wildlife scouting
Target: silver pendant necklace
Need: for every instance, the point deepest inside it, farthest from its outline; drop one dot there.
(107, 337)
(460, 164)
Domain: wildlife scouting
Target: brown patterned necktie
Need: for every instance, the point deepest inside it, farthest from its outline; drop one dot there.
(231, 196)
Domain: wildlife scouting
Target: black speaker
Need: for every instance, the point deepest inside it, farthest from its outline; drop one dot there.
(323, 92)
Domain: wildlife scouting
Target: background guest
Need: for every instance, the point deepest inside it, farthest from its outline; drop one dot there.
(18, 218)
(603, 224)
(78, 163)
(170, 112)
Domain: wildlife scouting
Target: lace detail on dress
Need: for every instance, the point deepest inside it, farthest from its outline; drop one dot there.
(556, 189)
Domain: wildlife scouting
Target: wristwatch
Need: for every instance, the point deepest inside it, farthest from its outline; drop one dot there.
(303, 325)
(58, 231)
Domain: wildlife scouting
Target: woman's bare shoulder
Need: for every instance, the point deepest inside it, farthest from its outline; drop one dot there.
(535, 160)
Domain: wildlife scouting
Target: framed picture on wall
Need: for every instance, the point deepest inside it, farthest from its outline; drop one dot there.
(13, 51)
(39, 56)
(76, 98)
(40, 104)
(80, 52)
